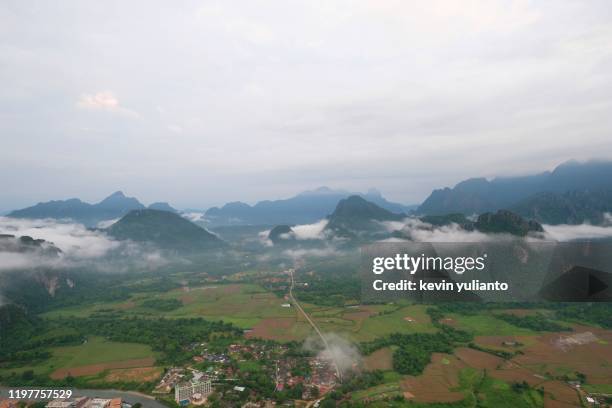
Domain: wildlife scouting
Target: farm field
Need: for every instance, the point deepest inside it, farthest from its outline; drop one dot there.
(92, 357)
(244, 305)
(367, 322)
(541, 359)
(545, 362)
(485, 324)
(250, 306)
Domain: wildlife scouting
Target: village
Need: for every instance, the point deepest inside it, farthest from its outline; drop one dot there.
(255, 373)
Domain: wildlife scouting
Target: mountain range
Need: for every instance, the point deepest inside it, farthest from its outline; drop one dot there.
(572, 193)
(479, 195)
(112, 207)
(571, 207)
(304, 208)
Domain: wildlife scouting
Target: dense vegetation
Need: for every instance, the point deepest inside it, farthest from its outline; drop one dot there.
(536, 322)
(162, 305)
(414, 351)
(330, 291)
(597, 313)
(169, 336)
(25, 338)
(30, 338)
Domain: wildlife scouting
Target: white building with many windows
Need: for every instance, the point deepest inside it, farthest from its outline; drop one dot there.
(192, 392)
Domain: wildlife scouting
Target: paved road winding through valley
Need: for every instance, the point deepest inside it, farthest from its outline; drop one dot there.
(315, 327)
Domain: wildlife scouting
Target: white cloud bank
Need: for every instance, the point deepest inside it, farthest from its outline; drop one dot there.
(74, 240)
(573, 232)
(302, 232)
(79, 245)
(416, 230)
(310, 231)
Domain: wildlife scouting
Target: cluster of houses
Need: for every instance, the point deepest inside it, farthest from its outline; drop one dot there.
(321, 379)
(192, 386)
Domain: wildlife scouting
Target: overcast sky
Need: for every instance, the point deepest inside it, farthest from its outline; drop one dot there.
(207, 102)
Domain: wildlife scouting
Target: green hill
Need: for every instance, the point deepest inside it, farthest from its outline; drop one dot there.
(354, 216)
(165, 229)
(504, 221)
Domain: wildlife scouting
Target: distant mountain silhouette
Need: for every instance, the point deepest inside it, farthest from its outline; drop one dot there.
(306, 207)
(479, 195)
(355, 215)
(114, 206)
(165, 229)
(572, 207)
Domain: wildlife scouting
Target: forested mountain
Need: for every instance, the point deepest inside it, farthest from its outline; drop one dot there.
(504, 221)
(478, 195)
(164, 229)
(162, 206)
(572, 207)
(26, 244)
(354, 215)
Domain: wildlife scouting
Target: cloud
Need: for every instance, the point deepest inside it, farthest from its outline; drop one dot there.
(302, 232)
(577, 232)
(106, 223)
(79, 245)
(416, 230)
(322, 99)
(310, 231)
(74, 240)
(175, 128)
(193, 216)
(18, 260)
(262, 236)
(104, 101)
(248, 29)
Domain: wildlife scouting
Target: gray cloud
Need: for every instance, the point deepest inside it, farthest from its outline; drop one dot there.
(74, 240)
(398, 95)
(419, 231)
(79, 245)
(573, 232)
